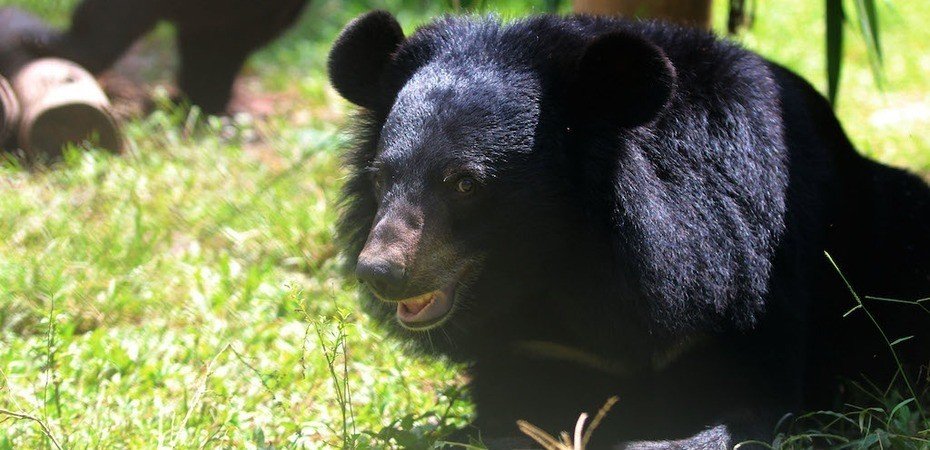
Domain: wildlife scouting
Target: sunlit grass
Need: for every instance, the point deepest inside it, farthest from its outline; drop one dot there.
(164, 297)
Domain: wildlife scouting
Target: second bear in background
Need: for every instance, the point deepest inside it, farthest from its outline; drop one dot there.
(214, 38)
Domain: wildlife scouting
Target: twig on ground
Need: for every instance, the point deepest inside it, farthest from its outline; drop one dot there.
(581, 437)
(23, 416)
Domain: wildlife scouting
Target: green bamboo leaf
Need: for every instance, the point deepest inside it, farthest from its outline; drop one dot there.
(868, 26)
(835, 18)
(872, 16)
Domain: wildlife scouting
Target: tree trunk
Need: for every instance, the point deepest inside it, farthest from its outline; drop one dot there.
(62, 104)
(695, 13)
(9, 112)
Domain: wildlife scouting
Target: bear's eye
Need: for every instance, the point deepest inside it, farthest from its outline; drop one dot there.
(465, 185)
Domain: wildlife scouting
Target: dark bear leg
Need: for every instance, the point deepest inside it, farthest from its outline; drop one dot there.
(101, 31)
(209, 65)
(212, 57)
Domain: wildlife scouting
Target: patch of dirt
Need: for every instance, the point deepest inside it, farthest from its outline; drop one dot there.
(149, 65)
(249, 98)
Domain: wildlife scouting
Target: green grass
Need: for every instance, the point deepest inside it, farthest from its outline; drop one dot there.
(187, 294)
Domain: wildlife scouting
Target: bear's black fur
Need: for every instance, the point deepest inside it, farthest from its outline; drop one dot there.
(601, 207)
(214, 38)
(15, 25)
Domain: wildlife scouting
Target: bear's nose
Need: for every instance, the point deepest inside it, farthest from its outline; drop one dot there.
(385, 278)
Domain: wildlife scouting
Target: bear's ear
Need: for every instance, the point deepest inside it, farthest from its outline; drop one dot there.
(361, 53)
(626, 78)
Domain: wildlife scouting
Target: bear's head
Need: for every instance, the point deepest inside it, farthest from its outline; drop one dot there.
(463, 199)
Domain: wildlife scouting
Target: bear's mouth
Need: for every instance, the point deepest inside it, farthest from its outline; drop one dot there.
(428, 310)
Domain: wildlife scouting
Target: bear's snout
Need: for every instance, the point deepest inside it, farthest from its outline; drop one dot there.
(385, 278)
(392, 244)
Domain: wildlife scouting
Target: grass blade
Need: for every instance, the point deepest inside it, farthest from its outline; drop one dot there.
(891, 349)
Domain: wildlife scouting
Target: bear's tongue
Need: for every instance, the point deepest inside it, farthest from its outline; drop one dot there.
(425, 309)
(414, 306)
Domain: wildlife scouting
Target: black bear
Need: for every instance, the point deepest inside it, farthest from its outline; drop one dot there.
(214, 38)
(584, 207)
